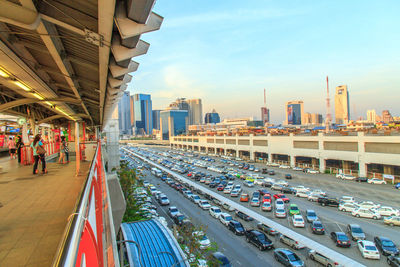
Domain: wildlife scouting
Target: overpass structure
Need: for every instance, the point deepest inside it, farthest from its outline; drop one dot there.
(357, 153)
(67, 64)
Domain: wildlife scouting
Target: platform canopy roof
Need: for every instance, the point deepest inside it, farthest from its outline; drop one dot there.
(68, 59)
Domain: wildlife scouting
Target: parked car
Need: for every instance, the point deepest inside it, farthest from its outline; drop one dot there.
(244, 197)
(172, 211)
(361, 179)
(266, 229)
(376, 181)
(317, 228)
(368, 205)
(347, 199)
(225, 218)
(202, 239)
(298, 221)
(163, 200)
(326, 201)
(340, 239)
(279, 204)
(355, 232)
(294, 209)
(287, 257)
(311, 216)
(393, 261)
(221, 258)
(366, 213)
(235, 193)
(248, 183)
(266, 198)
(258, 239)
(255, 202)
(368, 249)
(288, 190)
(297, 169)
(215, 211)
(303, 194)
(266, 206)
(387, 211)
(288, 176)
(392, 220)
(347, 207)
(271, 172)
(244, 216)
(283, 197)
(236, 227)
(280, 213)
(178, 218)
(290, 242)
(277, 187)
(325, 261)
(204, 204)
(313, 197)
(386, 246)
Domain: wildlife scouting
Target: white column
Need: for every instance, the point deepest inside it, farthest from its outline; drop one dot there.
(112, 134)
(362, 165)
(77, 158)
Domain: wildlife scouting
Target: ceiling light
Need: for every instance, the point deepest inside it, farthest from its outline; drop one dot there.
(38, 96)
(22, 86)
(3, 73)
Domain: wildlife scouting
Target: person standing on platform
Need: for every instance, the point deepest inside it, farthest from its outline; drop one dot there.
(38, 153)
(11, 147)
(20, 145)
(63, 151)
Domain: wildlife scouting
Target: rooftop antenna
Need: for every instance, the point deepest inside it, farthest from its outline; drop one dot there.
(328, 108)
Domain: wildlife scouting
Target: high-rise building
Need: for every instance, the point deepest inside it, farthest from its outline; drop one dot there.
(342, 105)
(124, 115)
(194, 108)
(173, 122)
(264, 115)
(371, 115)
(386, 116)
(294, 113)
(312, 119)
(156, 119)
(212, 117)
(143, 114)
(195, 111)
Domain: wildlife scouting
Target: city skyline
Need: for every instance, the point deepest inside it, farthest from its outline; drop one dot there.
(284, 51)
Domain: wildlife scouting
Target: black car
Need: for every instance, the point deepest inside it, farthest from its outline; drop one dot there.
(393, 261)
(288, 176)
(213, 185)
(287, 257)
(317, 228)
(244, 216)
(271, 172)
(264, 171)
(222, 259)
(266, 229)
(288, 190)
(386, 246)
(236, 227)
(326, 201)
(340, 239)
(267, 184)
(361, 179)
(355, 232)
(178, 218)
(258, 239)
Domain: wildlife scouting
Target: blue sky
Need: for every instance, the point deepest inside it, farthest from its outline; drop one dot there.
(227, 52)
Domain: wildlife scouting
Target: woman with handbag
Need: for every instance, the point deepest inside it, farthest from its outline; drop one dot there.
(63, 151)
(38, 153)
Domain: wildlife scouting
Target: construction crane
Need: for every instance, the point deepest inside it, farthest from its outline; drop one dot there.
(328, 119)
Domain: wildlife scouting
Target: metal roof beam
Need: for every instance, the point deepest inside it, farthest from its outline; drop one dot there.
(122, 53)
(26, 101)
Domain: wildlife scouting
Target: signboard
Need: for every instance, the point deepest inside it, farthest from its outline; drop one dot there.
(388, 176)
(2, 137)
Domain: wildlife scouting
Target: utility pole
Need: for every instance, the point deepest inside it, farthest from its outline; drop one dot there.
(328, 119)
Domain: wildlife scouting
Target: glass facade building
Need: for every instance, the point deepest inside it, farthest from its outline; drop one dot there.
(124, 115)
(212, 117)
(156, 119)
(143, 114)
(173, 122)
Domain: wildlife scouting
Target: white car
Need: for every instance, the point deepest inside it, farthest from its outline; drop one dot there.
(202, 239)
(204, 204)
(269, 180)
(225, 218)
(238, 187)
(259, 181)
(387, 211)
(195, 199)
(284, 167)
(282, 183)
(273, 164)
(298, 220)
(248, 183)
(230, 183)
(301, 188)
(313, 197)
(228, 189)
(297, 169)
(348, 207)
(368, 205)
(312, 171)
(368, 249)
(348, 177)
(347, 199)
(303, 194)
(376, 181)
(319, 192)
(279, 204)
(366, 213)
(215, 211)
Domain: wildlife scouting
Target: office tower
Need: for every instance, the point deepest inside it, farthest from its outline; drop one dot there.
(212, 117)
(264, 115)
(386, 116)
(294, 113)
(195, 112)
(132, 108)
(342, 105)
(173, 122)
(124, 115)
(156, 119)
(371, 115)
(143, 114)
(316, 119)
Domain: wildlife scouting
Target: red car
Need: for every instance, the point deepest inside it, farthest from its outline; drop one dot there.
(283, 197)
(266, 198)
(220, 187)
(244, 197)
(189, 174)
